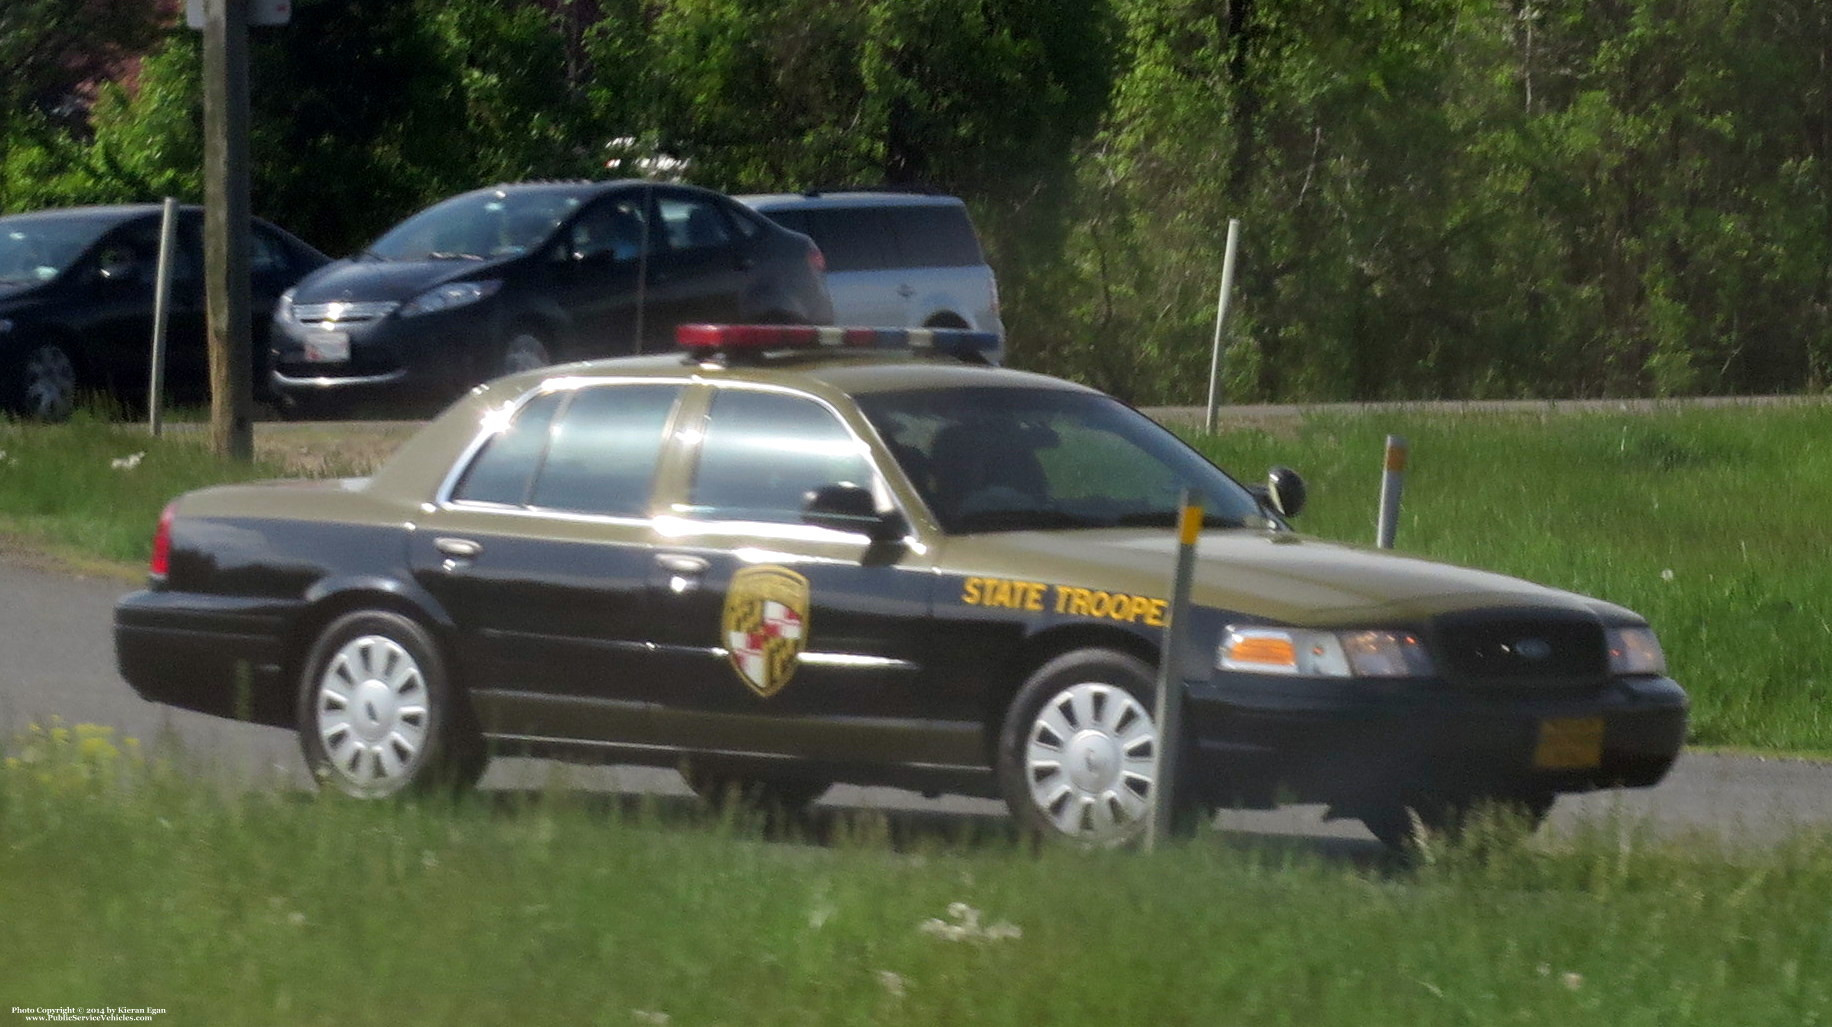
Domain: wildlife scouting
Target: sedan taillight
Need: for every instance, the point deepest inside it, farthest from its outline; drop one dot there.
(162, 543)
(817, 260)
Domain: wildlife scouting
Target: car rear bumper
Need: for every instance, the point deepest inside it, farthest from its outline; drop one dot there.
(1350, 743)
(220, 655)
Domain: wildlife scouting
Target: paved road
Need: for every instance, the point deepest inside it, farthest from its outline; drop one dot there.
(57, 658)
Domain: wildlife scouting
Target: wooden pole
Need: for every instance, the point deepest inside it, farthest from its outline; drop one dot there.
(226, 228)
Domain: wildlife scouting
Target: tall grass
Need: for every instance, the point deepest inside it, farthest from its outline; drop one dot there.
(1711, 523)
(123, 882)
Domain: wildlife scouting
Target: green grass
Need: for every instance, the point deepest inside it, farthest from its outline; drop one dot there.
(125, 884)
(1711, 523)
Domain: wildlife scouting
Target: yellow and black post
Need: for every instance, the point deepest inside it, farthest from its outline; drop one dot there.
(1169, 705)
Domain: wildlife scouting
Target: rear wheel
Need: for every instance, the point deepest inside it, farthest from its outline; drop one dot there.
(1078, 748)
(378, 714)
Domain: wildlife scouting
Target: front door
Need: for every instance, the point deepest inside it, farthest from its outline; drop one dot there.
(778, 637)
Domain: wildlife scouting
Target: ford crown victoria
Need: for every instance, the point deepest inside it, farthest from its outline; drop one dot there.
(780, 567)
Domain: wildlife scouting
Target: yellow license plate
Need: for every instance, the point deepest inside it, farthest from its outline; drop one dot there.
(1569, 743)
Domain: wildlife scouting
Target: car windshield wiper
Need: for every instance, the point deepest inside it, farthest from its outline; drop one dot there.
(449, 255)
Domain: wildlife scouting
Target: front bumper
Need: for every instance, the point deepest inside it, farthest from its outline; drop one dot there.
(431, 354)
(1255, 742)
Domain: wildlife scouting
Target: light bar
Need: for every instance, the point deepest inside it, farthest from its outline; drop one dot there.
(708, 340)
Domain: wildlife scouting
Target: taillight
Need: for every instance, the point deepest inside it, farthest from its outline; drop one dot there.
(817, 260)
(162, 543)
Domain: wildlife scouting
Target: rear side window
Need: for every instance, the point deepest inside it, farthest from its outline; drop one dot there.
(851, 238)
(939, 236)
(765, 451)
(503, 469)
(603, 452)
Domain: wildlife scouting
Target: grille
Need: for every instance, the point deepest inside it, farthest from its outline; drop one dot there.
(342, 313)
(1523, 649)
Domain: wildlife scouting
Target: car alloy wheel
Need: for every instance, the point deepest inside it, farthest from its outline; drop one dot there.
(1078, 752)
(525, 351)
(50, 383)
(377, 714)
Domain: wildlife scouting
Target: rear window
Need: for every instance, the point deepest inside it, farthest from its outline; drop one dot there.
(935, 236)
(852, 239)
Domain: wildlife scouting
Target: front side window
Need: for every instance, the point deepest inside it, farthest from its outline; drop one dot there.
(764, 452)
(1012, 459)
(613, 228)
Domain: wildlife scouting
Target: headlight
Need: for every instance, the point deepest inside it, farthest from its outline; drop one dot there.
(450, 296)
(1329, 654)
(1635, 651)
(283, 308)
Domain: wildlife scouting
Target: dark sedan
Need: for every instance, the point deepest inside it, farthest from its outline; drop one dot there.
(76, 304)
(513, 277)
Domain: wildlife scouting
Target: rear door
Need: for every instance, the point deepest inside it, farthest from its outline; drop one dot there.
(701, 266)
(541, 554)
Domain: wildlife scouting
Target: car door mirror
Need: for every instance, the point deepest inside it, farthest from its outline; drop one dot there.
(1285, 491)
(844, 506)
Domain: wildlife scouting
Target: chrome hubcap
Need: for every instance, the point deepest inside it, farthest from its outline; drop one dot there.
(373, 714)
(524, 353)
(50, 383)
(1089, 762)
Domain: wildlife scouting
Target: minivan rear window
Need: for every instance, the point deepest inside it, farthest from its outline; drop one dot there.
(935, 236)
(852, 239)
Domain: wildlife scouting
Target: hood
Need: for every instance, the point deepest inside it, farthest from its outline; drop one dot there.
(369, 281)
(1275, 576)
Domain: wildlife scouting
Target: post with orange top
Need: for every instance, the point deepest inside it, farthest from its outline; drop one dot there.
(1169, 705)
(1392, 481)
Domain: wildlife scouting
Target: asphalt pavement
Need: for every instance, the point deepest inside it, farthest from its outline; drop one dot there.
(57, 659)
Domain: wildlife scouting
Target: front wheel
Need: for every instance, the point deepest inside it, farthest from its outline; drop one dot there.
(44, 383)
(378, 714)
(1078, 751)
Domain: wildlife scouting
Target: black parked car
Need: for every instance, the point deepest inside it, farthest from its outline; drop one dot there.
(513, 277)
(76, 304)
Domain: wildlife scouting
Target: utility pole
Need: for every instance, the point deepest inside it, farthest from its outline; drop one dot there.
(226, 227)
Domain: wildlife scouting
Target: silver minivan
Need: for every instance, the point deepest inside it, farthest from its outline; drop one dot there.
(894, 259)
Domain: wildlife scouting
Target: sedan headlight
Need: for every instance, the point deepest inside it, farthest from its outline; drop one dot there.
(1329, 654)
(283, 307)
(1635, 651)
(450, 296)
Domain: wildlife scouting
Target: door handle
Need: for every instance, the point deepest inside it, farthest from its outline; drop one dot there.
(458, 548)
(685, 566)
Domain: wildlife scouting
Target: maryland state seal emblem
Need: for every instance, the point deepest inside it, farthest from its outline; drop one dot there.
(766, 625)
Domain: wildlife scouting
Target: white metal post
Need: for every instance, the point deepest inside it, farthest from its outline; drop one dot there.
(1392, 482)
(1221, 319)
(162, 301)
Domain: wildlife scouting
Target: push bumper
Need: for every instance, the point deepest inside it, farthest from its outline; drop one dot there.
(1254, 742)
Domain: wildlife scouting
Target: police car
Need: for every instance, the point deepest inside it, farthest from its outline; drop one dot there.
(786, 557)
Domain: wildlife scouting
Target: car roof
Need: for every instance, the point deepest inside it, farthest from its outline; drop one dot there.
(850, 198)
(851, 374)
(111, 213)
(582, 186)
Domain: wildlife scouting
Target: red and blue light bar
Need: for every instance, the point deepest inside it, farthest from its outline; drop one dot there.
(709, 340)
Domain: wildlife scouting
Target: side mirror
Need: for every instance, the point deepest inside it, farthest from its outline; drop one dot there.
(848, 507)
(1285, 489)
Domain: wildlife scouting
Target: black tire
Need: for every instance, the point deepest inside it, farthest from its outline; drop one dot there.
(1397, 824)
(41, 382)
(1094, 707)
(378, 714)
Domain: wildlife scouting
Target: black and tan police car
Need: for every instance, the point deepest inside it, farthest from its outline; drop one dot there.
(791, 556)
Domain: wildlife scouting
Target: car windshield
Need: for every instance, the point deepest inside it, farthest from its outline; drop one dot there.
(477, 226)
(38, 249)
(1015, 459)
